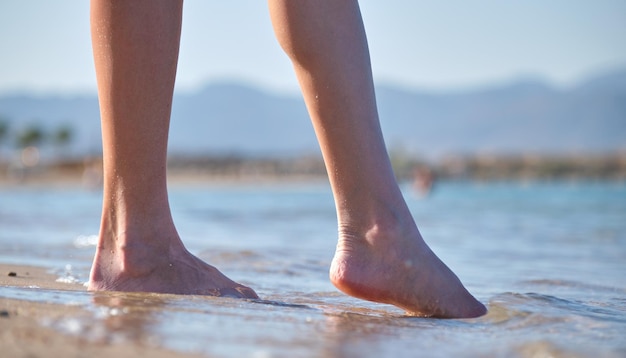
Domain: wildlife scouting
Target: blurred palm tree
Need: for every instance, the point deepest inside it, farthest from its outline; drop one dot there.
(32, 136)
(4, 134)
(63, 135)
(62, 138)
(4, 129)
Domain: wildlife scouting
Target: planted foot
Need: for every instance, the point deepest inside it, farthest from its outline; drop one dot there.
(398, 268)
(176, 271)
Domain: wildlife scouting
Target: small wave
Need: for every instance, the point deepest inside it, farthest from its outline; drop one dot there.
(536, 309)
(85, 241)
(572, 284)
(69, 276)
(68, 279)
(281, 304)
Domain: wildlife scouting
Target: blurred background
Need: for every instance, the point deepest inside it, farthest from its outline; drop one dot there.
(526, 96)
(479, 90)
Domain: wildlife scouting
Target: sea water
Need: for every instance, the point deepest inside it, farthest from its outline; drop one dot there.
(548, 259)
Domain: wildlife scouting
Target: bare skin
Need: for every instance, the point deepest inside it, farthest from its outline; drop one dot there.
(135, 51)
(380, 254)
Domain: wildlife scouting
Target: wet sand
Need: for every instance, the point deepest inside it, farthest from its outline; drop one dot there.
(27, 328)
(41, 317)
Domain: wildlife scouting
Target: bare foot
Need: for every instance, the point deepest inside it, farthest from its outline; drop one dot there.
(174, 270)
(394, 267)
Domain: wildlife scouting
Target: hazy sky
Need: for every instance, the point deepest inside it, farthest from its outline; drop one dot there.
(45, 44)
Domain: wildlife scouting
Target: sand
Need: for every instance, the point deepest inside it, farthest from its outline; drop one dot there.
(26, 328)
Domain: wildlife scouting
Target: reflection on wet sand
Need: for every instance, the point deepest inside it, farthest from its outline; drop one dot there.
(316, 324)
(351, 334)
(129, 317)
(346, 334)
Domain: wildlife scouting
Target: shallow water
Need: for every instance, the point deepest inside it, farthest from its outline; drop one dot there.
(549, 260)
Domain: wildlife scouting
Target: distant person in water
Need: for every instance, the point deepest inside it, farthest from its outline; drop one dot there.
(423, 180)
(380, 254)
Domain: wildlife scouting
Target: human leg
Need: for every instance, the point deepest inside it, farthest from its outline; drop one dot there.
(135, 46)
(380, 254)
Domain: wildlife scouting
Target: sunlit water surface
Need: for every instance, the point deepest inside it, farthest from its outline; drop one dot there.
(548, 259)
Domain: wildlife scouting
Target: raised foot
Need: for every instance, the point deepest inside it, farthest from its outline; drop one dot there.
(405, 274)
(182, 274)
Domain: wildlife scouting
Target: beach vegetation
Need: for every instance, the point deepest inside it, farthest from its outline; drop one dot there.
(63, 135)
(4, 129)
(32, 136)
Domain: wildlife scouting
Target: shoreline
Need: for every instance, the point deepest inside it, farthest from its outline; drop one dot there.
(64, 181)
(610, 167)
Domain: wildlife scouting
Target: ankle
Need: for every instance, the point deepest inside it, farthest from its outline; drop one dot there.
(377, 226)
(126, 262)
(137, 250)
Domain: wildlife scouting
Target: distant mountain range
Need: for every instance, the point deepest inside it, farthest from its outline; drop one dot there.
(520, 117)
